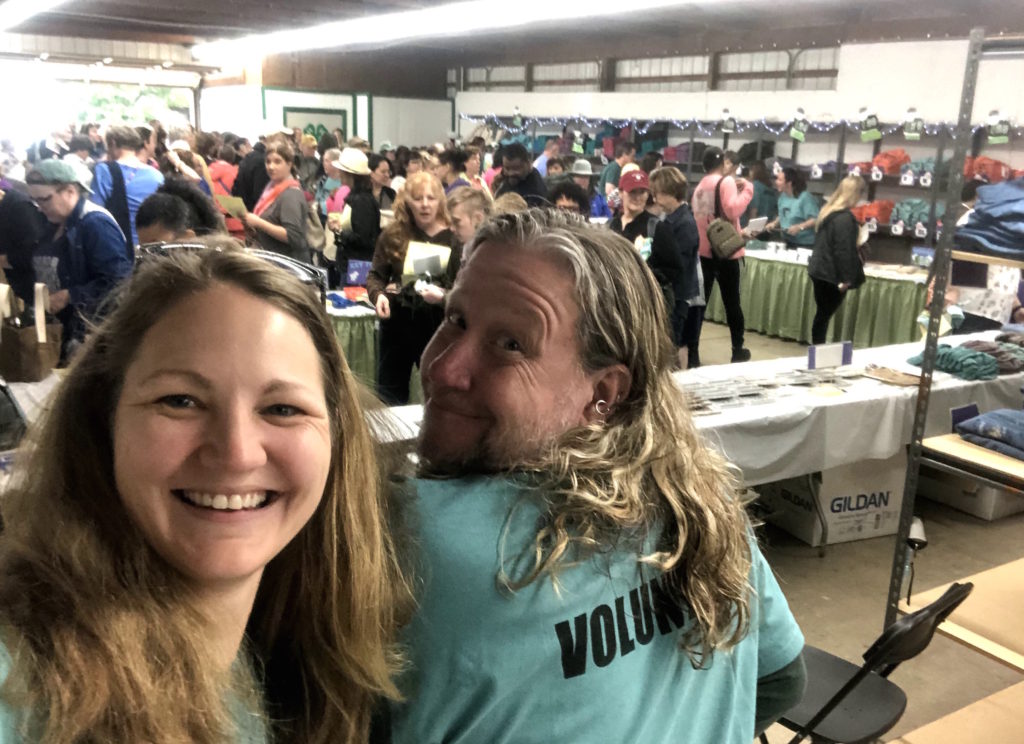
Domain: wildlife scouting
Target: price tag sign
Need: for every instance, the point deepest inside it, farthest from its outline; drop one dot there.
(896, 228)
(999, 133)
(920, 230)
(855, 171)
(876, 173)
(729, 125)
(816, 172)
(872, 225)
(799, 130)
(926, 180)
(913, 130)
(869, 131)
(907, 179)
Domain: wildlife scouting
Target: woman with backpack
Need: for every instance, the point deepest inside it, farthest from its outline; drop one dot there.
(278, 221)
(725, 196)
(835, 266)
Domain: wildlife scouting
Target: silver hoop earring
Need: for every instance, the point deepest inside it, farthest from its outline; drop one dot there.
(602, 408)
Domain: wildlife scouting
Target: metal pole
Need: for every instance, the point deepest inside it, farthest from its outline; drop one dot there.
(961, 142)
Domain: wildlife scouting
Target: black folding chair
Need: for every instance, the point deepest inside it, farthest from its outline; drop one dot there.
(847, 704)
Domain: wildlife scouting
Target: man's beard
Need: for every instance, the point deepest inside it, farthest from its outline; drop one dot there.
(496, 452)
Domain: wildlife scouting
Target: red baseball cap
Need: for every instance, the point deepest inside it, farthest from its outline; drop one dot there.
(634, 180)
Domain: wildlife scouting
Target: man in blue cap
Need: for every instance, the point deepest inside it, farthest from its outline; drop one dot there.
(83, 258)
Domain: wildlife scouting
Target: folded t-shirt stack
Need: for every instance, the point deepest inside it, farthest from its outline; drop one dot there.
(966, 364)
(1009, 358)
(1001, 431)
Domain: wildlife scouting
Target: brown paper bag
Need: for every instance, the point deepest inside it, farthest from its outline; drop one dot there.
(28, 354)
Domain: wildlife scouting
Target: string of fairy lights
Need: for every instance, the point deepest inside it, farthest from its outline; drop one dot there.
(704, 128)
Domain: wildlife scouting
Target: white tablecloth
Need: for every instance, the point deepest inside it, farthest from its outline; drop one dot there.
(870, 420)
(805, 433)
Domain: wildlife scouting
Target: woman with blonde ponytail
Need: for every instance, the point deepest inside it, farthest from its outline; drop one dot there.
(835, 266)
(196, 548)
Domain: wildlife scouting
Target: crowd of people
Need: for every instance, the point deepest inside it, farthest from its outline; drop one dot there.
(207, 541)
(355, 213)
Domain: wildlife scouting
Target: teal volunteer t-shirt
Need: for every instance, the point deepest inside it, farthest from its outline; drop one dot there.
(251, 727)
(796, 209)
(596, 660)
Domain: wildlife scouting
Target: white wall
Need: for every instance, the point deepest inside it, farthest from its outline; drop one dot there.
(410, 121)
(240, 108)
(277, 100)
(232, 108)
(887, 78)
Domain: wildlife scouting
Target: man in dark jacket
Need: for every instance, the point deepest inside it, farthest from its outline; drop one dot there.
(669, 188)
(21, 227)
(518, 176)
(83, 259)
(252, 176)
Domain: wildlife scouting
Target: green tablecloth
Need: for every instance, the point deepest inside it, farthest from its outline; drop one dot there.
(358, 339)
(778, 299)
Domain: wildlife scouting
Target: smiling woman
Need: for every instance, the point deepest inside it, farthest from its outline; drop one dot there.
(221, 512)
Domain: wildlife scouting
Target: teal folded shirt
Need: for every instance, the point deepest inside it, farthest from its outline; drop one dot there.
(595, 660)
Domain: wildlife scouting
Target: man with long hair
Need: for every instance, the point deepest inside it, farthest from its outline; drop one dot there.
(589, 573)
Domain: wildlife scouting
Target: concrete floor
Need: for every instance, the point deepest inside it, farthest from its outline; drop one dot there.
(839, 599)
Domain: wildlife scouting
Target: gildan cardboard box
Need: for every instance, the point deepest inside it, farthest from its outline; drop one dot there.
(856, 501)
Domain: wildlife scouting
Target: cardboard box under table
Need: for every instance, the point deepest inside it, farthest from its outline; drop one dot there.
(842, 504)
(973, 479)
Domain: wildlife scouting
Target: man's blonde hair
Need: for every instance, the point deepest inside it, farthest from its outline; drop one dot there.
(645, 470)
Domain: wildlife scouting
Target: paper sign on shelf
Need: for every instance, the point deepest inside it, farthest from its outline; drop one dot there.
(913, 129)
(872, 225)
(876, 173)
(998, 129)
(907, 179)
(920, 230)
(830, 355)
(869, 131)
(896, 228)
(925, 180)
(816, 172)
(800, 126)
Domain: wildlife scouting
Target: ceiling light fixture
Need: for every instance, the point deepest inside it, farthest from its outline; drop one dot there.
(452, 19)
(15, 12)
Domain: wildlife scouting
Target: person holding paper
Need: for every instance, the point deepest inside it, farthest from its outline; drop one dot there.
(414, 250)
(357, 225)
(278, 221)
(835, 266)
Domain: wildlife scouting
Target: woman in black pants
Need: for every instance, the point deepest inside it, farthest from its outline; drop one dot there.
(409, 317)
(722, 195)
(835, 266)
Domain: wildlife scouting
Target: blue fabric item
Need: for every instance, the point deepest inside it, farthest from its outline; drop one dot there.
(599, 207)
(339, 300)
(593, 659)
(996, 226)
(1013, 328)
(1005, 426)
(995, 445)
